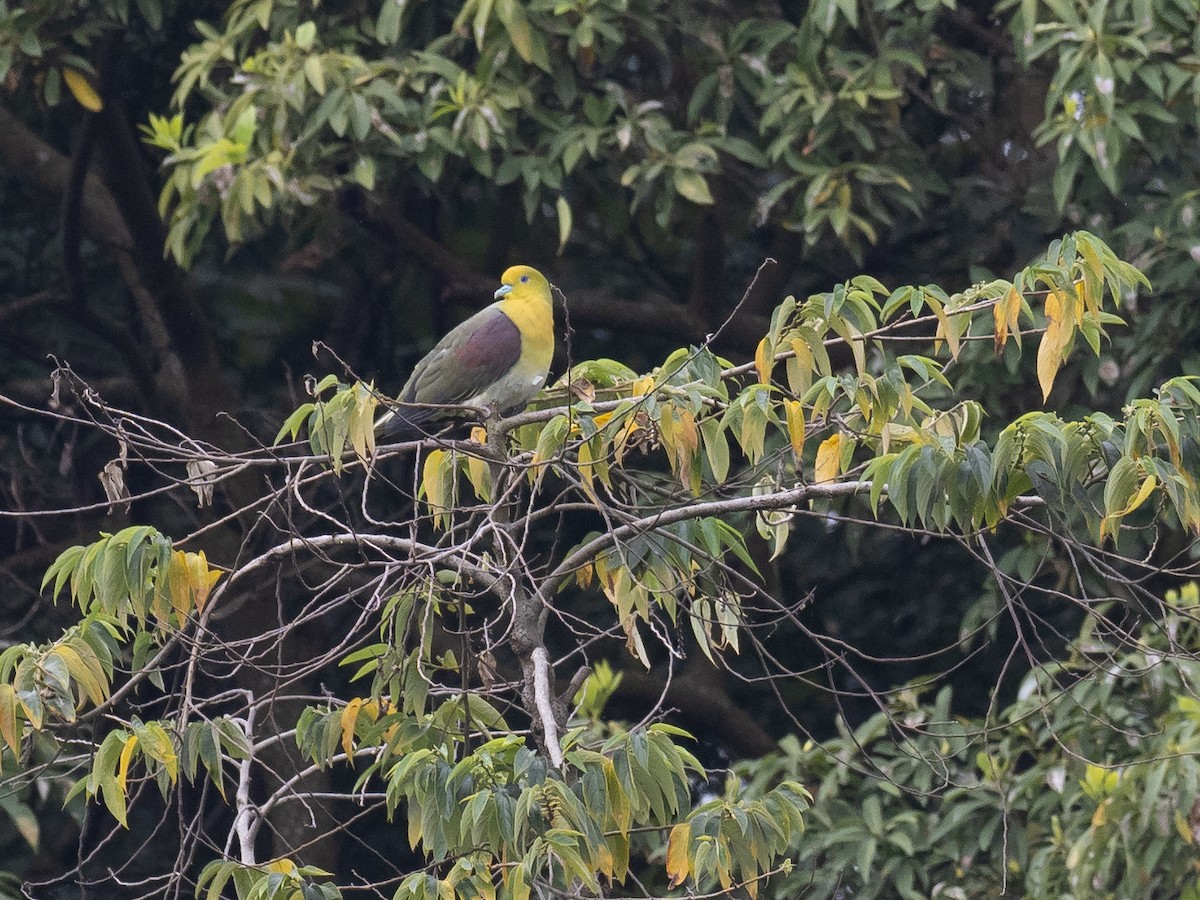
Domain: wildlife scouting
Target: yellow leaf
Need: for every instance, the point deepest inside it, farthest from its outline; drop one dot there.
(1110, 524)
(1185, 830)
(586, 471)
(10, 728)
(625, 433)
(666, 432)
(480, 478)
(619, 847)
(281, 866)
(430, 482)
(829, 459)
(1141, 496)
(583, 575)
(438, 489)
(123, 764)
(349, 720)
(689, 436)
(81, 89)
(764, 361)
(1050, 350)
(642, 387)
(946, 328)
(604, 861)
(477, 469)
(677, 853)
(795, 425)
(1005, 313)
(687, 446)
(201, 578)
(1100, 816)
(618, 801)
(362, 421)
(156, 744)
(177, 579)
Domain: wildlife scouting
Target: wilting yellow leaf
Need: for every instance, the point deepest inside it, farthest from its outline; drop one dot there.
(584, 574)
(1005, 313)
(1079, 302)
(587, 471)
(687, 433)
(1185, 831)
(348, 721)
(81, 89)
(946, 328)
(1050, 350)
(438, 487)
(604, 861)
(1141, 496)
(123, 764)
(477, 469)
(1111, 523)
(829, 458)
(642, 387)
(362, 421)
(200, 577)
(764, 361)
(794, 411)
(10, 728)
(677, 853)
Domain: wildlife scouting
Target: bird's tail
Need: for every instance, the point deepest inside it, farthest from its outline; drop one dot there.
(404, 422)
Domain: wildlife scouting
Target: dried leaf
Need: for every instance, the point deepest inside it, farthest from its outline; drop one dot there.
(201, 481)
(112, 479)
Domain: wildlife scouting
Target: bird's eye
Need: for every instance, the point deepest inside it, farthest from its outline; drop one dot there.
(524, 278)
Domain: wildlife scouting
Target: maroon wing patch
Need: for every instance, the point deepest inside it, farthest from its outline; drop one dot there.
(465, 361)
(494, 345)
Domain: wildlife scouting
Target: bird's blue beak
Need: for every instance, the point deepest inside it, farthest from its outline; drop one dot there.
(502, 290)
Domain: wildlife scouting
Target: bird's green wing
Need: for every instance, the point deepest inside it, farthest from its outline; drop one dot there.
(466, 361)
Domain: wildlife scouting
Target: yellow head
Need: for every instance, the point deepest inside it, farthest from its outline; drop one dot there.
(524, 296)
(524, 284)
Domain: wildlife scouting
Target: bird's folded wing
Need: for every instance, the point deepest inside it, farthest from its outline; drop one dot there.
(467, 361)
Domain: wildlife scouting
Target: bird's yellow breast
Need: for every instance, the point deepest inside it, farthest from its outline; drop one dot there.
(533, 314)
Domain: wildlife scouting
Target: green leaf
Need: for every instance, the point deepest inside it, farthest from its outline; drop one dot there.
(693, 186)
(306, 33)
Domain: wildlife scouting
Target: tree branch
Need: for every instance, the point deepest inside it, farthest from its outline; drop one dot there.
(31, 158)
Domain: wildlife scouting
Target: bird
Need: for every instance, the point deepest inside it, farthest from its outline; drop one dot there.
(498, 359)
